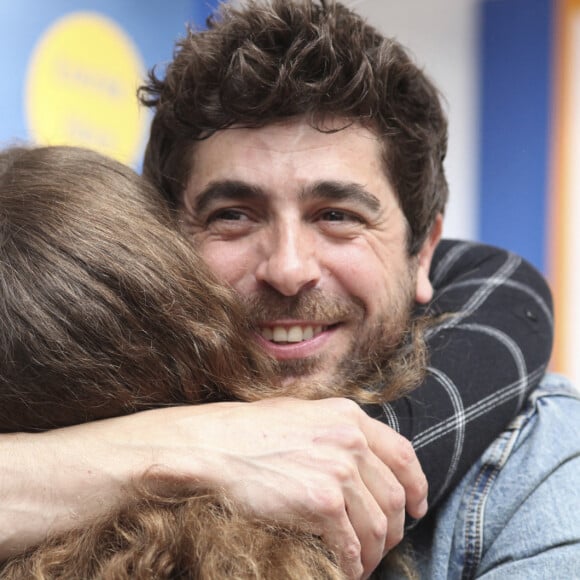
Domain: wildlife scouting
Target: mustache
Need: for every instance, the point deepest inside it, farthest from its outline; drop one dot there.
(314, 304)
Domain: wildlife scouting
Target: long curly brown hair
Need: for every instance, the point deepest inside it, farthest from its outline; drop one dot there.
(270, 60)
(105, 311)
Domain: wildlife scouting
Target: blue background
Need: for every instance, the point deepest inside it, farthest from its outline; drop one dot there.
(153, 26)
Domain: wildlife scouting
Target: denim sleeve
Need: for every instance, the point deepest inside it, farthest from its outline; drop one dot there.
(516, 514)
(484, 360)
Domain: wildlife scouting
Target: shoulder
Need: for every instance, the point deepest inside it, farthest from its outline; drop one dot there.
(515, 514)
(530, 524)
(538, 444)
(456, 260)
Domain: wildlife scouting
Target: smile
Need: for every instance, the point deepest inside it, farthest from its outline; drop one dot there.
(290, 334)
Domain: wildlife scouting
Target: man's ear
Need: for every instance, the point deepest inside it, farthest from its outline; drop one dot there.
(424, 290)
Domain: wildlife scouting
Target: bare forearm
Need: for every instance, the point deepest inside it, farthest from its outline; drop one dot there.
(47, 483)
(57, 480)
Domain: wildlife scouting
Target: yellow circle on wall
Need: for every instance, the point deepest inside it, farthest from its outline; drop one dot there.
(81, 87)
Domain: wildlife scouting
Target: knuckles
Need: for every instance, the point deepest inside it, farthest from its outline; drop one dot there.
(396, 499)
(345, 436)
(352, 551)
(421, 488)
(346, 409)
(343, 472)
(405, 452)
(379, 529)
(327, 503)
(351, 559)
(353, 439)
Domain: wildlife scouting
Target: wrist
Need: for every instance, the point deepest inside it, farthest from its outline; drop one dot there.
(51, 482)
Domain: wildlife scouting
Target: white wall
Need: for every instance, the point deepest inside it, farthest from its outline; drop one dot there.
(442, 36)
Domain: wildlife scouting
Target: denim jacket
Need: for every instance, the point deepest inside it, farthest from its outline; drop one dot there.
(516, 514)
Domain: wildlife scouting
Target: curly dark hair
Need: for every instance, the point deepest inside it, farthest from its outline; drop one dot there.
(273, 60)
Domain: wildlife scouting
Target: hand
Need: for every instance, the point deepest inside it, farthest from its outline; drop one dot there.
(324, 462)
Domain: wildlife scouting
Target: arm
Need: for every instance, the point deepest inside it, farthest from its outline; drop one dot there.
(322, 462)
(484, 361)
(530, 515)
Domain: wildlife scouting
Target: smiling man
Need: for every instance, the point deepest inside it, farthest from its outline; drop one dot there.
(304, 152)
(317, 247)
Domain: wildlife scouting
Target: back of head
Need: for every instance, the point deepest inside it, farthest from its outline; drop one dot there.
(105, 309)
(271, 60)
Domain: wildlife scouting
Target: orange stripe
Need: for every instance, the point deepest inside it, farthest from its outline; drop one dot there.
(559, 234)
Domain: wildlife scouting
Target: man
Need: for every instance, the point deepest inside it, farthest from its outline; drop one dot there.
(304, 151)
(330, 260)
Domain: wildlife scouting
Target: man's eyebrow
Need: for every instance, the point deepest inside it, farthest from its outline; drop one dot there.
(340, 191)
(227, 189)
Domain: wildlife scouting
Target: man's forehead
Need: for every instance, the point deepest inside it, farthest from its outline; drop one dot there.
(291, 134)
(290, 149)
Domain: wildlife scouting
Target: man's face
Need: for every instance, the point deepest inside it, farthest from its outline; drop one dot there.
(306, 227)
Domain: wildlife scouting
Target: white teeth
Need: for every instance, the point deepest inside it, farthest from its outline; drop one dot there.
(280, 334)
(295, 334)
(290, 334)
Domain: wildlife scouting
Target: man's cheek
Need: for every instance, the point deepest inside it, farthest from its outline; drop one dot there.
(230, 267)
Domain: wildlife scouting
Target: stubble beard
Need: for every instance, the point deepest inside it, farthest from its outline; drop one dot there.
(372, 344)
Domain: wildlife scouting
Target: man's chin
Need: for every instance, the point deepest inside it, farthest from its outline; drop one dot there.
(306, 380)
(306, 387)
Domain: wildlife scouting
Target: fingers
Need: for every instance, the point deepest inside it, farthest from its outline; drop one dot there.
(363, 495)
(396, 452)
(361, 509)
(356, 534)
(370, 524)
(373, 474)
(375, 504)
(340, 536)
(346, 475)
(389, 496)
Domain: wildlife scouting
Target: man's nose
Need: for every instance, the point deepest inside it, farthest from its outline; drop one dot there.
(289, 264)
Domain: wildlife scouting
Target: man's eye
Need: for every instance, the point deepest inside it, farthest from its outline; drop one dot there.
(227, 215)
(335, 215)
(229, 222)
